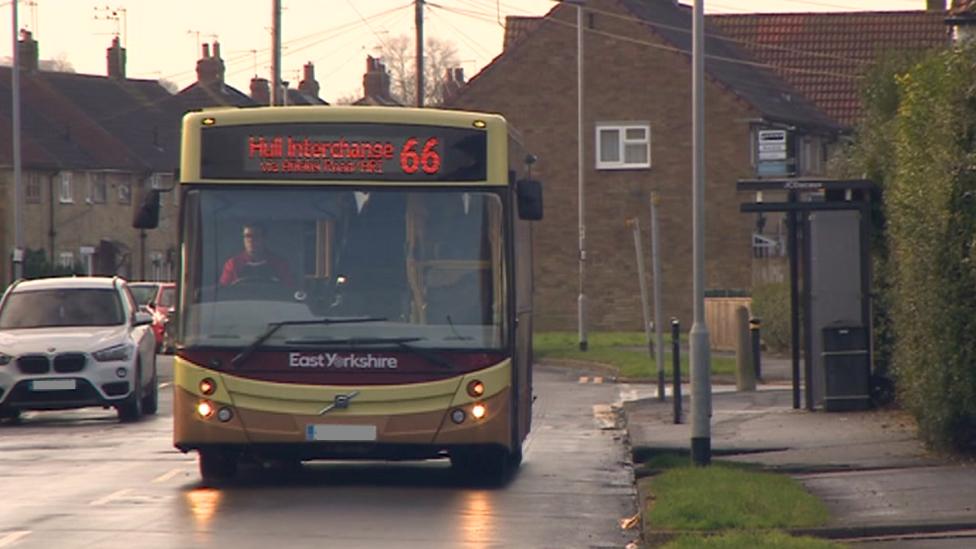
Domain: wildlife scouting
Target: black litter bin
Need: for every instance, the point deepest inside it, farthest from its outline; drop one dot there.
(847, 370)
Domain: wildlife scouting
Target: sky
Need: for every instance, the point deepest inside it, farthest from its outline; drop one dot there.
(164, 37)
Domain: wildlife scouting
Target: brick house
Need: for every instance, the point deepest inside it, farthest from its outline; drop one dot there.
(825, 55)
(637, 140)
(91, 146)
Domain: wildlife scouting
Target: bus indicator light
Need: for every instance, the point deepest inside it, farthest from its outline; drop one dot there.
(208, 386)
(478, 411)
(476, 388)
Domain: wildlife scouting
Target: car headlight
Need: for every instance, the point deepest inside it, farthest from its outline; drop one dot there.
(5, 359)
(122, 351)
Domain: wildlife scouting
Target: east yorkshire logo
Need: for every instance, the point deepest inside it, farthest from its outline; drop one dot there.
(336, 360)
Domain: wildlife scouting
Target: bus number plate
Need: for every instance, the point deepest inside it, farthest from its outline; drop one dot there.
(340, 433)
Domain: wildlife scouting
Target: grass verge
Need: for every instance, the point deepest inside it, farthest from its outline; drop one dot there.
(726, 506)
(625, 351)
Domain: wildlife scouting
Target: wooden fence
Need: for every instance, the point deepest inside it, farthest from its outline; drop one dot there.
(720, 318)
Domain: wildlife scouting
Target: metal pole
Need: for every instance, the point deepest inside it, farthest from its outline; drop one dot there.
(581, 301)
(794, 253)
(676, 368)
(701, 442)
(656, 270)
(419, 21)
(18, 253)
(276, 52)
(639, 251)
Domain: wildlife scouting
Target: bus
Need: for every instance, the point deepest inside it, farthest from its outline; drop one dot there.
(355, 282)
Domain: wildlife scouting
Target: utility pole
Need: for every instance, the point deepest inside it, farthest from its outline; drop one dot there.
(18, 253)
(276, 52)
(701, 388)
(418, 6)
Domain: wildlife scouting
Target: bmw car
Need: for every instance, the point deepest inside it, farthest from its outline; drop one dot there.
(74, 342)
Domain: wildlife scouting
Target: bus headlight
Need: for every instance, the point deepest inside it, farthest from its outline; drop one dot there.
(205, 408)
(225, 414)
(478, 411)
(457, 416)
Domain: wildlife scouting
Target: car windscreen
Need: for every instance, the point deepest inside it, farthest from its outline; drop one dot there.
(167, 297)
(62, 307)
(144, 293)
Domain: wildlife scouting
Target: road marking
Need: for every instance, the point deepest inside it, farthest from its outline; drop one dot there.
(114, 495)
(169, 475)
(13, 537)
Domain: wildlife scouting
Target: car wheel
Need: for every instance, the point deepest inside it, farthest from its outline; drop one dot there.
(10, 416)
(131, 408)
(217, 465)
(150, 402)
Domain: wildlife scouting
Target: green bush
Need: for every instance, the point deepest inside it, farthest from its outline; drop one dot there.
(771, 303)
(918, 141)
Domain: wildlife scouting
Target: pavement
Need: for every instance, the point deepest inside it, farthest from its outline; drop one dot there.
(879, 482)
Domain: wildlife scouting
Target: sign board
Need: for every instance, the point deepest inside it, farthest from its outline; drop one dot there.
(772, 145)
(344, 151)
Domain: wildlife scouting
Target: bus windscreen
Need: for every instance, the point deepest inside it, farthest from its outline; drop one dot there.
(344, 151)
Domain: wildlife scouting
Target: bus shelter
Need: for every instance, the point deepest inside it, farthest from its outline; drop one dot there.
(828, 226)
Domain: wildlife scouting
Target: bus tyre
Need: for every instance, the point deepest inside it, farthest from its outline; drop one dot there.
(483, 466)
(131, 408)
(217, 465)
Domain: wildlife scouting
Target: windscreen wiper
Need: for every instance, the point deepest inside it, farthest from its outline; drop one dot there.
(402, 342)
(274, 326)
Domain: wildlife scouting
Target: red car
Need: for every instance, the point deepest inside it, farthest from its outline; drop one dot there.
(158, 298)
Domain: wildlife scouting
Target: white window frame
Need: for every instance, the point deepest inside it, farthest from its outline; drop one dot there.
(124, 191)
(66, 194)
(622, 142)
(32, 188)
(97, 188)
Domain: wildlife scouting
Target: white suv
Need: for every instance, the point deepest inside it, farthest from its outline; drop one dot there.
(73, 342)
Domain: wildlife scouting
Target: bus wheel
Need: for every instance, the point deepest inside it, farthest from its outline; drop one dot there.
(217, 465)
(483, 466)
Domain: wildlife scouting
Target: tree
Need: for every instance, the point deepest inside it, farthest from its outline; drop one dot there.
(169, 85)
(399, 56)
(58, 64)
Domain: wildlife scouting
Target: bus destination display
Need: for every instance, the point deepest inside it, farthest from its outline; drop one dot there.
(344, 151)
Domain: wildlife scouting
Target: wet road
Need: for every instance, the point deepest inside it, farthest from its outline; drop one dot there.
(81, 479)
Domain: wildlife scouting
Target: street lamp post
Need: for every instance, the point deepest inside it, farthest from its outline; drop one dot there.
(580, 141)
(698, 337)
(18, 253)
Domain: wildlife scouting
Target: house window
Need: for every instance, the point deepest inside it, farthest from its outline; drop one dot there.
(66, 194)
(623, 146)
(97, 188)
(161, 181)
(32, 190)
(125, 192)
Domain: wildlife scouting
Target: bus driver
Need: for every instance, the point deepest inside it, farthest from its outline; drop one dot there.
(255, 262)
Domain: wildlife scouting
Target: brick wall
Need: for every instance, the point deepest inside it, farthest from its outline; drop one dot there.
(534, 86)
